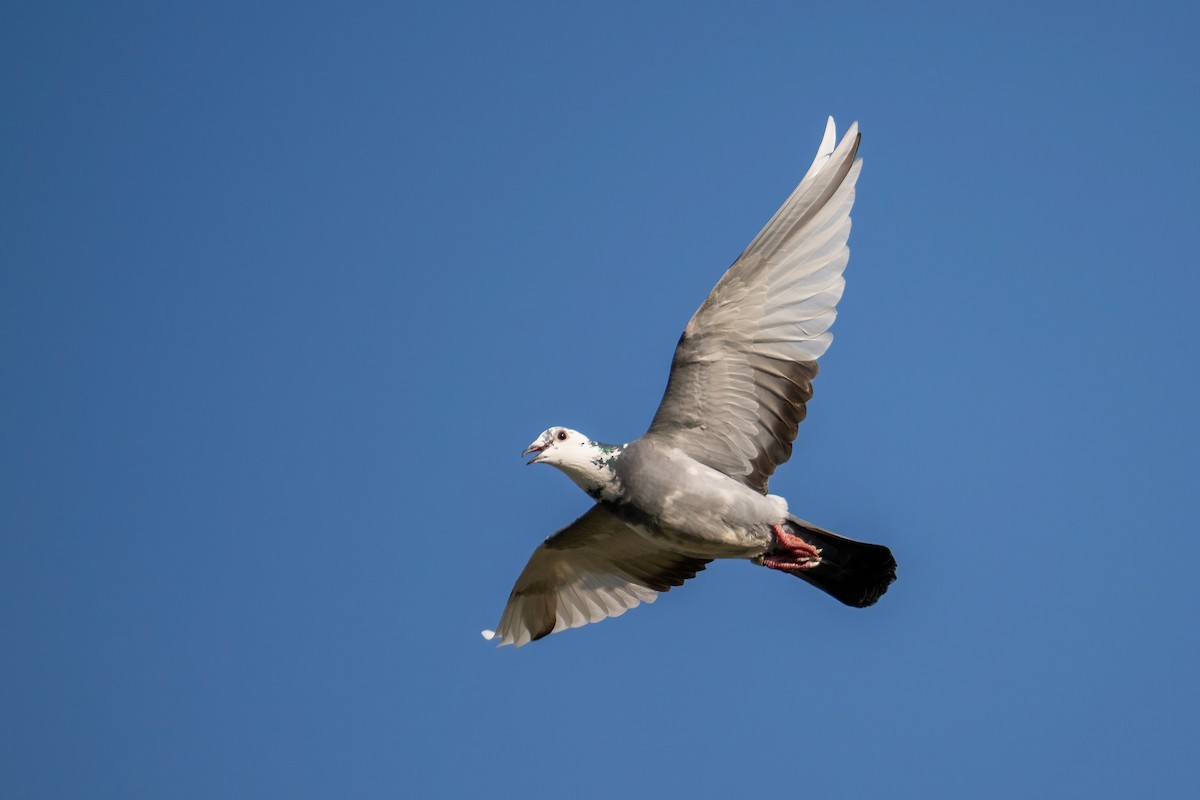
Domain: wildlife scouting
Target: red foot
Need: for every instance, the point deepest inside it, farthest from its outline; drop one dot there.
(791, 552)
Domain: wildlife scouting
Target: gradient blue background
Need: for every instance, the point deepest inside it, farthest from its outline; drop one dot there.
(285, 289)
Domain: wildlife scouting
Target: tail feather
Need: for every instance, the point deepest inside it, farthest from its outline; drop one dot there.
(856, 573)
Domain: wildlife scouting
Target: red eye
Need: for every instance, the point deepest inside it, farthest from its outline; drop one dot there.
(562, 436)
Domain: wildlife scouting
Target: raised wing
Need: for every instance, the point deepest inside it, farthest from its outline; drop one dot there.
(596, 567)
(743, 368)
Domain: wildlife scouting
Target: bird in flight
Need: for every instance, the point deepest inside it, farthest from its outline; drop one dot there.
(694, 487)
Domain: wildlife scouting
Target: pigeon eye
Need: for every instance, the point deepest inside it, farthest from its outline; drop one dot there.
(562, 436)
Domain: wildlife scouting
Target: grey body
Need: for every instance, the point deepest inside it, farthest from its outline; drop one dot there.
(690, 508)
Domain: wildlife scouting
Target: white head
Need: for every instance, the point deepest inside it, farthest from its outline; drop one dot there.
(587, 463)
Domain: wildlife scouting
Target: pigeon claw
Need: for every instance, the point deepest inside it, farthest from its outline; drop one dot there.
(790, 553)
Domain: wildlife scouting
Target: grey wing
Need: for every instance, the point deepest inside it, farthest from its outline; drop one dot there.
(596, 567)
(743, 369)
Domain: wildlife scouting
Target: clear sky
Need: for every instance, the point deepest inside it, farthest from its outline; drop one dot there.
(286, 288)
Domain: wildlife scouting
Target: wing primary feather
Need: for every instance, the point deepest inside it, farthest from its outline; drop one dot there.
(596, 567)
(731, 402)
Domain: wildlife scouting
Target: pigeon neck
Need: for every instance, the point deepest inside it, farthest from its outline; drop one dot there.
(596, 473)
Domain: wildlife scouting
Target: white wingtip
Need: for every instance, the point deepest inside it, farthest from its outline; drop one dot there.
(489, 635)
(828, 142)
(830, 137)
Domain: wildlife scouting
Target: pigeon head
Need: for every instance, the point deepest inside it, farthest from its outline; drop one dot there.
(587, 463)
(558, 446)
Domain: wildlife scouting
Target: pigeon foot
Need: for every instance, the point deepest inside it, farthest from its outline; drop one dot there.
(790, 553)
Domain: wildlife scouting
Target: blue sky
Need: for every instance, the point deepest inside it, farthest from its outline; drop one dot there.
(284, 291)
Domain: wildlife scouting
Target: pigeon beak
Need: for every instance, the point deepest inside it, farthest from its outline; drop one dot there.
(537, 447)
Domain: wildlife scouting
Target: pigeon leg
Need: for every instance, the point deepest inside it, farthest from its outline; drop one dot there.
(790, 552)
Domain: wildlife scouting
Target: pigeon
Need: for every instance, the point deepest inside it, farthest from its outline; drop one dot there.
(693, 488)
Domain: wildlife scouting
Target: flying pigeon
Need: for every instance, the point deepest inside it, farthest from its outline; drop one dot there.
(694, 487)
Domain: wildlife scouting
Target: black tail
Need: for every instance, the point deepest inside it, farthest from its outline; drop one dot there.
(855, 573)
